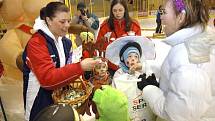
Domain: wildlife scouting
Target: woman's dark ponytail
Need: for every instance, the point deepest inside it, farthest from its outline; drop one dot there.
(43, 13)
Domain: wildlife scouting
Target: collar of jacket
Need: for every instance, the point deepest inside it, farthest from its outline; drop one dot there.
(120, 22)
(198, 42)
(41, 25)
(181, 35)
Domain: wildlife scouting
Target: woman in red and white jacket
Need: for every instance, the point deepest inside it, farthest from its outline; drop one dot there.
(117, 25)
(48, 59)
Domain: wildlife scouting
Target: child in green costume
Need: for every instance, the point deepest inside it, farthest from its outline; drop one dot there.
(112, 104)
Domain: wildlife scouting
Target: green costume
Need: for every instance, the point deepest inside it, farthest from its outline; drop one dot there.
(112, 104)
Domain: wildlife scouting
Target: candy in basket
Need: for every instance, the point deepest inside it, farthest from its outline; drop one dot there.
(75, 94)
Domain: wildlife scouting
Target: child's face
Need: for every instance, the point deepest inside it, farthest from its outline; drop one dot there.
(101, 69)
(132, 59)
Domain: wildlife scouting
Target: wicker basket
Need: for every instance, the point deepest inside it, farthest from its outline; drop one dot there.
(74, 94)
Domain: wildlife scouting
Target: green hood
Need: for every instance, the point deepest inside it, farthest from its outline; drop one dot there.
(112, 104)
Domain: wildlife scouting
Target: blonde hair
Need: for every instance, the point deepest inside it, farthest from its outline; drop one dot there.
(197, 12)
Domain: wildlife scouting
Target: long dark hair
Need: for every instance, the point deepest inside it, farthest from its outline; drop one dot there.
(51, 9)
(126, 15)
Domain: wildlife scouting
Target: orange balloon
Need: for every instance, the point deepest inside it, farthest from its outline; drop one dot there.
(11, 10)
(1, 1)
(32, 7)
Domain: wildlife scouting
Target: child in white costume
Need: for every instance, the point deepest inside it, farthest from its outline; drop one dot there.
(130, 53)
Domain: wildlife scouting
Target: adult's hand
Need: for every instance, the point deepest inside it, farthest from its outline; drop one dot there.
(89, 63)
(84, 17)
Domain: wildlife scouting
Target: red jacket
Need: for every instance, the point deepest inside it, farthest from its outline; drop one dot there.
(42, 59)
(109, 36)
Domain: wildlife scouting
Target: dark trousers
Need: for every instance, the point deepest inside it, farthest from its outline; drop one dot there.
(158, 28)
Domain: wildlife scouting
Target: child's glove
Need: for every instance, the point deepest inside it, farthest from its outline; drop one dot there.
(143, 81)
(150, 80)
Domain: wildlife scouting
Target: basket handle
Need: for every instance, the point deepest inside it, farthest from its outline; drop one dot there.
(83, 83)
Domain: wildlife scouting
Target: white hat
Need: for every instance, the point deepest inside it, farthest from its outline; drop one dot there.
(113, 49)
